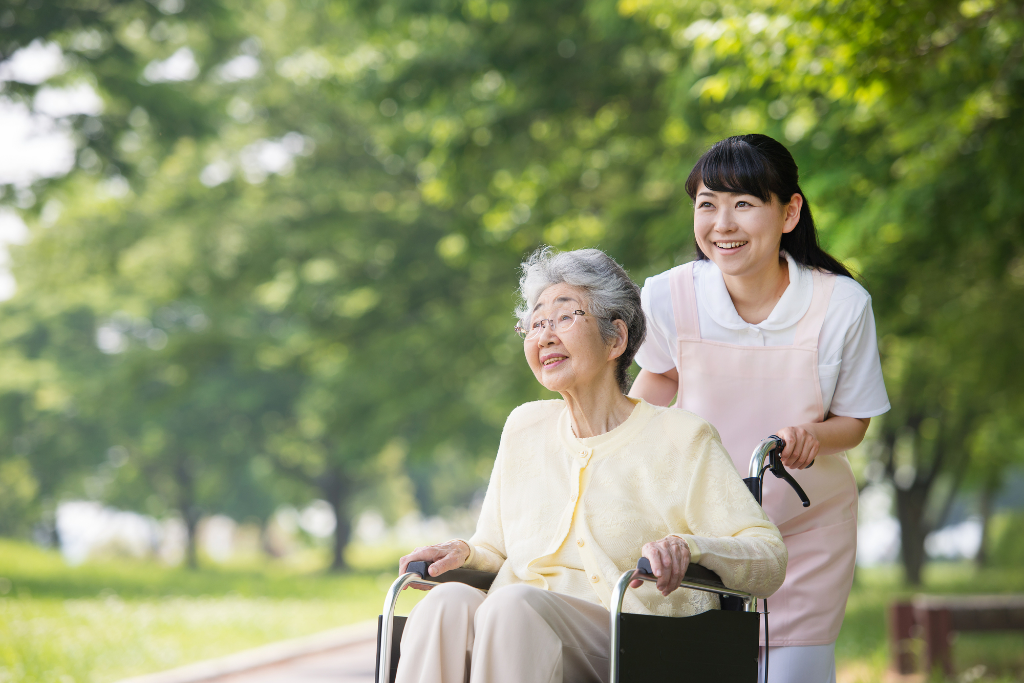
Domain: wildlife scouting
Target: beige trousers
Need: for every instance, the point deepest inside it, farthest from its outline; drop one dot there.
(516, 634)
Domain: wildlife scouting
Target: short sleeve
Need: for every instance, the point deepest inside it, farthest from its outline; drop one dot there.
(655, 354)
(860, 388)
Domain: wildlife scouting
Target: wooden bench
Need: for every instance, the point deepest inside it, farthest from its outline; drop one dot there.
(935, 618)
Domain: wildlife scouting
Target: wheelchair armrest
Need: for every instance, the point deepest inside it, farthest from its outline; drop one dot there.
(470, 577)
(694, 574)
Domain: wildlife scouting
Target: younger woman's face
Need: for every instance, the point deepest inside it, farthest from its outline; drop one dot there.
(740, 232)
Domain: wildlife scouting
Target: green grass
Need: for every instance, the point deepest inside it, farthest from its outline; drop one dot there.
(108, 620)
(862, 651)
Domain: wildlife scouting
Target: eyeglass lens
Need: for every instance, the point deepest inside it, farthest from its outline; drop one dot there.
(560, 322)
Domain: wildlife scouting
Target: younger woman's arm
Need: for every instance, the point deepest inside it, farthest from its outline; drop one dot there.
(656, 389)
(807, 441)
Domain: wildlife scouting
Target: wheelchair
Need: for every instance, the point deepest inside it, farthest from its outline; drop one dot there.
(727, 639)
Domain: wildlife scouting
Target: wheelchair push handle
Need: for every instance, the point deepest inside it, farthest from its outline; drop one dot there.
(777, 462)
(472, 577)
(695, 574)
(767, 456)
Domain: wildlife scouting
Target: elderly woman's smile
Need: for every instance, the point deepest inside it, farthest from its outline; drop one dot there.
(551, 360)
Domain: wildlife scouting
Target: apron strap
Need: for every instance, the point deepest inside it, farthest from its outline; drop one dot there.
(684, 302)
(809, 327)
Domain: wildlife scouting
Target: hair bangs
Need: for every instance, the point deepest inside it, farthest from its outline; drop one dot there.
(734, 166)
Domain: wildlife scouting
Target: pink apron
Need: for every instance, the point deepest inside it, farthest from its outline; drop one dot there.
(749, 393)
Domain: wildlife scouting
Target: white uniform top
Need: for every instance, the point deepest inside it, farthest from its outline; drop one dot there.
(848, 365)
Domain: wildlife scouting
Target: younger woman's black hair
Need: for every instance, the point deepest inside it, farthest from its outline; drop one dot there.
(762, 167)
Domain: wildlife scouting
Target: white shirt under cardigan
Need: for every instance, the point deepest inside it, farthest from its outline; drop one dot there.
(848, 365)
(570, 515)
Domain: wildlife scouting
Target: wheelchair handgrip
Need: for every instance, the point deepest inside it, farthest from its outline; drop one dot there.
(419, 567)
(781, 447)
(470, 577)
(643, 565)
(694, 573)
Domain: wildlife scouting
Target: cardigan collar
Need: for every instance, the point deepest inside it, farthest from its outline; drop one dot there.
(609, 441)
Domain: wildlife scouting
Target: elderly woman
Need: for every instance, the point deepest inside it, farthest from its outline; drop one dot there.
(580, 488)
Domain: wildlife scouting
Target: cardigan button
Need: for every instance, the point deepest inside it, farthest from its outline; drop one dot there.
(572, 498)
(594, 578)
(579, 542)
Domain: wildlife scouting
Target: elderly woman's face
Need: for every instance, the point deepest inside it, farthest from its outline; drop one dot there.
(562, 360)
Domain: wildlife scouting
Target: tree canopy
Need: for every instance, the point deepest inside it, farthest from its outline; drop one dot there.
(289, 243)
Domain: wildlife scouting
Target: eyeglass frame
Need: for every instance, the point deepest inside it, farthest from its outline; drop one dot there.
(526, 334)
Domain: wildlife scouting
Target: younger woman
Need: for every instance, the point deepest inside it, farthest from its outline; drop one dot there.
(765, 333)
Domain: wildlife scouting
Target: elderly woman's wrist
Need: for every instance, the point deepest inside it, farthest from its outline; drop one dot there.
(691, 546)
(467, 546)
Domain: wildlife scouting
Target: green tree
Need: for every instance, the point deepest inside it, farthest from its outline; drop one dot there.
(48, 442)
(325, 309)
(371, 174)
(903, 117)
(997, 446)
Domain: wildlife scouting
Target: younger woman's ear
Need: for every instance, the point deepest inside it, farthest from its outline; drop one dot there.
(791, 212)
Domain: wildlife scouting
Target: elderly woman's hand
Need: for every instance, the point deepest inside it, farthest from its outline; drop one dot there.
(669, 559)
(443, 556)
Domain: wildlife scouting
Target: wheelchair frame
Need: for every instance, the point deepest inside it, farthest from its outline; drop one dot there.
(765, 458)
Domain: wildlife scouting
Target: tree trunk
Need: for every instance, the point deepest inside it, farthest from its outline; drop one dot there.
(191, 523)
(947, 453)
(267, 542)
(342, 534)
(988, 494)
(336, 487)
(910, 509)
(54, 532)
(187, 507)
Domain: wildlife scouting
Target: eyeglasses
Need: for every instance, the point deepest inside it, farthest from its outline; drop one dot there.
(560, 323)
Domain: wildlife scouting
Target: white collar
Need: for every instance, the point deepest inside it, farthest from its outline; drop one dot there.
(714, 296)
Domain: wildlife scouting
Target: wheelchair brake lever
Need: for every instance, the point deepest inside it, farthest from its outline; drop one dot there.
(779, 470)
(781, 473)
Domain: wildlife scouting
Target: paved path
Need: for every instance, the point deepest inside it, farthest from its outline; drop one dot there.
(351, 664)
(342, 655)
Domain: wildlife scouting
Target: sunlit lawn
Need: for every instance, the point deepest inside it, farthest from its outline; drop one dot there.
(862, 650)
(107, 620)
(104, 621)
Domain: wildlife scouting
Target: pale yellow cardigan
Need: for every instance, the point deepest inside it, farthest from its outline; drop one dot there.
(662, 472)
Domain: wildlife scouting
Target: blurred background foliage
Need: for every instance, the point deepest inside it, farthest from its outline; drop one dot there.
(282, 266)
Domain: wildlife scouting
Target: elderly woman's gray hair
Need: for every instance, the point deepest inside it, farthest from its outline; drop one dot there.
(610, 294)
